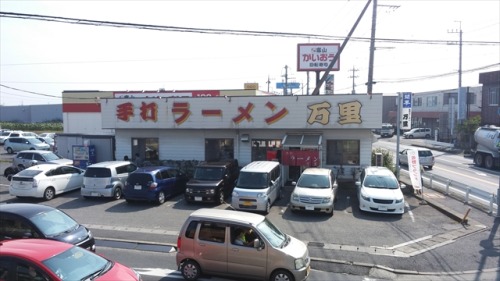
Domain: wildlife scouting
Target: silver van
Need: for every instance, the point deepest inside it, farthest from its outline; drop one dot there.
(106, 179)
(259, 185)
(208, 244)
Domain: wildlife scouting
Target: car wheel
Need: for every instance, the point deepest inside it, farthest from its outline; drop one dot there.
(9, 150)
(479, 159)
(410, 136)
(161, 198)
(427, 136)
(221, 198)
(190, 270)
(129, 200)
(49, 193)
(118, 193)
(488, 162)
(86, 197)
(282, 275)
(430, 167)
(21, 167)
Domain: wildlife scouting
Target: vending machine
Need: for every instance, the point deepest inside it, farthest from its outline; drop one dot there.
(84, 155)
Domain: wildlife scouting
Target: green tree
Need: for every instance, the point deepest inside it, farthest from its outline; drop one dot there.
(465, 133)
(387, 156)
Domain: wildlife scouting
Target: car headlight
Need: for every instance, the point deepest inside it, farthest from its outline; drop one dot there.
(189, 190)
(300, 263)
(211, 191)
(326, 200)
(399, 200)
(364, 197)
(235, 194)
(295, 197)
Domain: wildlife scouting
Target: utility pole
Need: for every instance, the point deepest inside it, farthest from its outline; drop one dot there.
(268, 82)
(372, 50)
(285, 88)
(353, 76)
(460, 95)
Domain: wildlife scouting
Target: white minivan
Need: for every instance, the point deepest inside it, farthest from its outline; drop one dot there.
(259, 185)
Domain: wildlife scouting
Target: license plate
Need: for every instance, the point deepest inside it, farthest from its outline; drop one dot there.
(247, 203)
(382, 208)
(137, 187)
(94, 194)
(197, 198)
(310, 208)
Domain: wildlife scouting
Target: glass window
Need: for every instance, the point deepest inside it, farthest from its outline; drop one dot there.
(342, 152)
(219, 149)
(260, 147)
(212, 232)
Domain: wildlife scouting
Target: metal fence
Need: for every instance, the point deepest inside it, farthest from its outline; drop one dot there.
(468, 194)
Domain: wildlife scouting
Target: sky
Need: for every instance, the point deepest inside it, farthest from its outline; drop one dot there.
(417, 46)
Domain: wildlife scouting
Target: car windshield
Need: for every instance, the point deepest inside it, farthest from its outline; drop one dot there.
(51, 156)
(313, 181)
(34, 141)
(381, 181)
(272, 233)
(5, 134)
(54, 222)
(78, 264)
(252, 180)
(208, 173)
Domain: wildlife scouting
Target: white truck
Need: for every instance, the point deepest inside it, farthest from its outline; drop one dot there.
(487, 153)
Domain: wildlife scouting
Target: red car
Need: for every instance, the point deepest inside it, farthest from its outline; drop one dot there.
(47, 260)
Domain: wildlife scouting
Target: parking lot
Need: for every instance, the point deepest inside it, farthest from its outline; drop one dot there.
(351, 241)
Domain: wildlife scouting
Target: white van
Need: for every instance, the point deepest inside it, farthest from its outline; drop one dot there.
(259, 185)
(208, 243)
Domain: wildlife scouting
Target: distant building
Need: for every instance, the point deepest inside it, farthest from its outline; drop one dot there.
(31, 113)
(490, 106)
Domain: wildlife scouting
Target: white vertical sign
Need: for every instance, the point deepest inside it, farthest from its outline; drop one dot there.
(406, 112)
(414, 169)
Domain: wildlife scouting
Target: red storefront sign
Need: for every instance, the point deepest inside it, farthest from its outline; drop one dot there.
(307, 158)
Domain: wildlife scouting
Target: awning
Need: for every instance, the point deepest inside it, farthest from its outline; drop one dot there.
(299, 140)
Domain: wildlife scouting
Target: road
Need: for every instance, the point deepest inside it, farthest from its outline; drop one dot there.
(451, 166)
(351, 242)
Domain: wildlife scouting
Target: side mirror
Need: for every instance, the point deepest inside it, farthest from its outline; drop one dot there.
(294, 183)
(402, 186)
(357, 183)
(34, 162)
(257, 244)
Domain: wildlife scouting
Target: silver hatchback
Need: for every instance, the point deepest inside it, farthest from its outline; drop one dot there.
(315, 191)
(425, 157)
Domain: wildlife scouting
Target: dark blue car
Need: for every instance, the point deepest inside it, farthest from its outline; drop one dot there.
(154, 184)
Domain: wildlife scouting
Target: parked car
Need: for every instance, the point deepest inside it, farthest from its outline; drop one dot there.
(46, 181)
(154, 183)
(418, 133)
(47, 135)
(212, 182)
(6, 134)
(259, 185)
(49, 141)
(425, 157)
(106, 179)
(315, 190)
(379, 191)
(15, 144)
(207, 244)
(28, 158)
(38, 259)
(26, 220)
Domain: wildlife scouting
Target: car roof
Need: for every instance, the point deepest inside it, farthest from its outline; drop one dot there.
(35, 151)
(260, 166)
(106, 164)
(376, 170)
(33, 249)
(24, 209)
(227, 216)
(150, 169)
(316, 171)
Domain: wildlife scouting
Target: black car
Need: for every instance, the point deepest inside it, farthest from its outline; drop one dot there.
(25, 220)
(212, 182)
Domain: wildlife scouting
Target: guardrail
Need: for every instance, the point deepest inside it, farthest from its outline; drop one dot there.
(467, 194)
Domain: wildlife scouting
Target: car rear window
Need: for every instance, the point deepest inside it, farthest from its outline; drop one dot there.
(140, 178)
(98, 173)
(424, 153)
(28, 173)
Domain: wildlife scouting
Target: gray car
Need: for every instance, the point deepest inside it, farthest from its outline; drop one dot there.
(28, 158)
(15, 144)
(425, 157)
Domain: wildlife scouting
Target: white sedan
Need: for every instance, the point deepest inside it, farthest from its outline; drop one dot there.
(46, 181)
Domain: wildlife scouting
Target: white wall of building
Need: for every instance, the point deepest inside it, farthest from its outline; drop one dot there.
(84, 123)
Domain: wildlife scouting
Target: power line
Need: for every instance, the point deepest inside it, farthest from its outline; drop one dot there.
(226, 31)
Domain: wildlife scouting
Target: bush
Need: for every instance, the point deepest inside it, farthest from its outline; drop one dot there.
(33, 127)
(387, 156)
